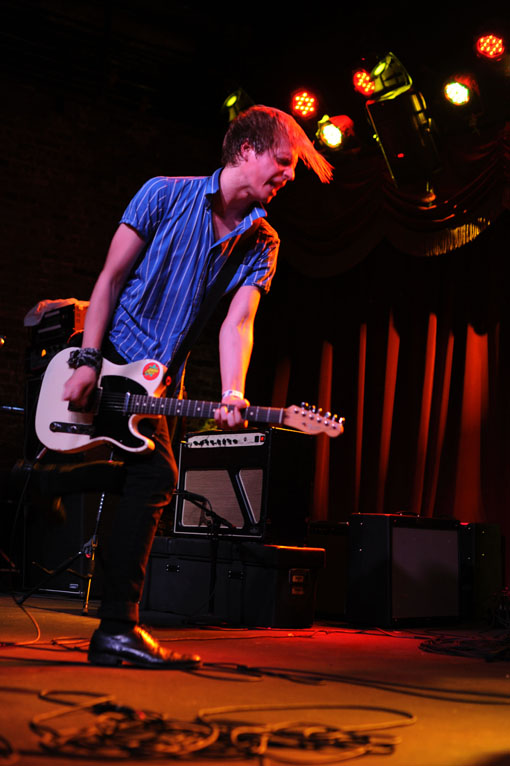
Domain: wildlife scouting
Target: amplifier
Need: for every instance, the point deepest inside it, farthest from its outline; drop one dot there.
(52, 334)
(245, 484)
(403, 570)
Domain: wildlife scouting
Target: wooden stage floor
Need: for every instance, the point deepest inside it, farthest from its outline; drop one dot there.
(378, 695)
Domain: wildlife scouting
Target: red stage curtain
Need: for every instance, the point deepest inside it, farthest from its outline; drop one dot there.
(418, 361)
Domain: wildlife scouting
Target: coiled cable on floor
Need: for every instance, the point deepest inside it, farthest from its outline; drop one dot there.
(119, 731)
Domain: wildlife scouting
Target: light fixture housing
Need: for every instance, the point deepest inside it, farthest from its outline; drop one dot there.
(406, 136)
(390, 78)
(235, 103)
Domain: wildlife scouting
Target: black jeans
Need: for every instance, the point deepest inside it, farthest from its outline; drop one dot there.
(150, 480)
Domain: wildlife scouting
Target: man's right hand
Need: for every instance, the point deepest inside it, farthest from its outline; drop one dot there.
(78, 388)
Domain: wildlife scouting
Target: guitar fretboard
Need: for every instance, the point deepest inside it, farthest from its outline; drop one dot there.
(139, 404)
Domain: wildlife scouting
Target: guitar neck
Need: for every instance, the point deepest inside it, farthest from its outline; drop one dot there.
(138, 404)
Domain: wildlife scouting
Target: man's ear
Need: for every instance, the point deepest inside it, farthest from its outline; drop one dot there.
(246, 148)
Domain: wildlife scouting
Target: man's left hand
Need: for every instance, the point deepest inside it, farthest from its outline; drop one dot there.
(229, 415)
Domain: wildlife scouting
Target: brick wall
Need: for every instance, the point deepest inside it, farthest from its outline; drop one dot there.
(69, 165)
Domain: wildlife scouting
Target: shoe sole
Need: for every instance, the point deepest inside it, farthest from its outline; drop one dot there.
(110, 660)
(113, 660)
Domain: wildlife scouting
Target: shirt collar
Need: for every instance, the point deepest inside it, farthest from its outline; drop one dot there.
(213, 184)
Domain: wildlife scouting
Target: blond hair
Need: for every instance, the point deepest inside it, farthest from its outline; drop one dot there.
(264, 127)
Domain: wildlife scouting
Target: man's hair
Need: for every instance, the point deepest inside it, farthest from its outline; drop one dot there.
(264, 128)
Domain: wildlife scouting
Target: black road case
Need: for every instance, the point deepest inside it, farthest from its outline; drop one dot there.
(237, 582)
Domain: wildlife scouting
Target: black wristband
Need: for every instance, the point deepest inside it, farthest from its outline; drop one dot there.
(86, 357)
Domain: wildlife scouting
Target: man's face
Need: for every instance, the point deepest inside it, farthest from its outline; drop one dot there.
(267, 173)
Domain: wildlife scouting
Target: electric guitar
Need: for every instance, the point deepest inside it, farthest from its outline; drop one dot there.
(131, 392)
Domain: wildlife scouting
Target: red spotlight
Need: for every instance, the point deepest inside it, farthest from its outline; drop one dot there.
(304, 104)
(362, 82)
(490, 46)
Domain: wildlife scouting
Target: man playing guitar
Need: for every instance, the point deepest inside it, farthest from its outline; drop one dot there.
(172, 241)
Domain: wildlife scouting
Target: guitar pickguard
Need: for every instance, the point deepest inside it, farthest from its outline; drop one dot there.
(114, 423)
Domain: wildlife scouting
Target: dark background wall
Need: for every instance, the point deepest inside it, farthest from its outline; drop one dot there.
(77, 141)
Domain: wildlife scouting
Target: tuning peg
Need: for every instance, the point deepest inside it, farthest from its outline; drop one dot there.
(305, 405)
(327, 415)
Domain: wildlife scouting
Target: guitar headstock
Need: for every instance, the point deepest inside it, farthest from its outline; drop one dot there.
(313, 420)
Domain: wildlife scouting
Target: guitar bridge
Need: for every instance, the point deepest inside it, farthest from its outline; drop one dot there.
(71, 428)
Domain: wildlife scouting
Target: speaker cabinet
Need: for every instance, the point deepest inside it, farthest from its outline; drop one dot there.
(248, 484)
(481, 549)
(402, 569)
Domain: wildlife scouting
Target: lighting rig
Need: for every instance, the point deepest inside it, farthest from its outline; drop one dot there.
(396, 111)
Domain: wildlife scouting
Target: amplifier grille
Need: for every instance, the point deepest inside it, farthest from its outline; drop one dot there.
(219, 487)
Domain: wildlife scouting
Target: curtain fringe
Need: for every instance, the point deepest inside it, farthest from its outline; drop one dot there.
(440, 242)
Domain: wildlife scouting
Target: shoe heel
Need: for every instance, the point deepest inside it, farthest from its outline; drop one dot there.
(105, 659)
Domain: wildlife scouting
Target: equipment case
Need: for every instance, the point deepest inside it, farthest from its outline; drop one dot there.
(231, 581)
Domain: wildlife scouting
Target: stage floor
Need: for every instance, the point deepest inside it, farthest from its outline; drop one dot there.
(347, 684)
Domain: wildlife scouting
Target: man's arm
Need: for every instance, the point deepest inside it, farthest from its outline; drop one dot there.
(124, 249)
(236, 343)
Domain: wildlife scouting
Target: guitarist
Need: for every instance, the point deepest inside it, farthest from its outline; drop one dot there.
(173, 239)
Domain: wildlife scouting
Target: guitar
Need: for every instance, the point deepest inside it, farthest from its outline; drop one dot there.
(131, 392)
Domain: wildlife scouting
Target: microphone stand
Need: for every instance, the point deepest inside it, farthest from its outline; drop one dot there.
(213, 521)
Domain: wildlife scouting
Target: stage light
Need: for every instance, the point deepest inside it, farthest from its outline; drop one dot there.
(304, 104)
(457, 93)
(490, 47)
(334, 132)
(235, 103)
(460, 89)
(362, 82)
(328, 133)
(390, 78)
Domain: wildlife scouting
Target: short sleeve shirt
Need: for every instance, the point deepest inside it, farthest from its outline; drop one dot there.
(179, 263)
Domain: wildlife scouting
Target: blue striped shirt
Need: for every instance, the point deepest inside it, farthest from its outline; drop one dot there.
(179, 263)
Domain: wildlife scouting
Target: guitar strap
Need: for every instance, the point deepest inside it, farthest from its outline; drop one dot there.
(213, 297)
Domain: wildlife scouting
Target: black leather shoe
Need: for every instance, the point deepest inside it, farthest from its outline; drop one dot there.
(136, 647)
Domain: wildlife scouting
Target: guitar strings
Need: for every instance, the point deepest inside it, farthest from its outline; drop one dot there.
(124, 402)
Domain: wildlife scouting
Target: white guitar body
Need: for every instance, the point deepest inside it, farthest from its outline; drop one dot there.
(51, 408)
